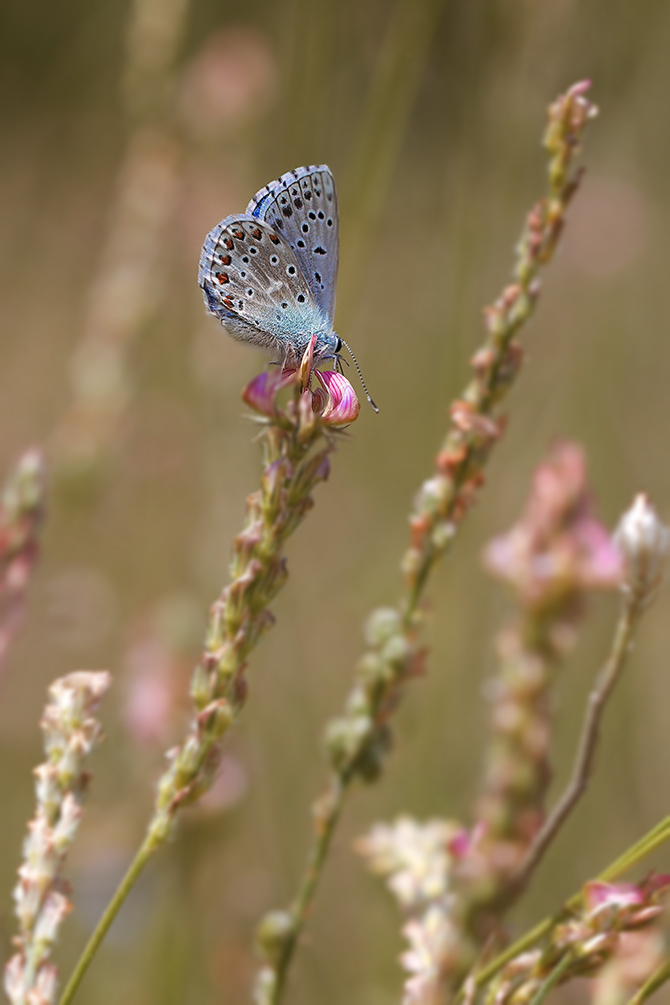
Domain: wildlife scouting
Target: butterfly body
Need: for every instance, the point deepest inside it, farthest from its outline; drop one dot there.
(269, 274)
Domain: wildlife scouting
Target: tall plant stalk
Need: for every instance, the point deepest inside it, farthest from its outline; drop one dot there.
(358, 741)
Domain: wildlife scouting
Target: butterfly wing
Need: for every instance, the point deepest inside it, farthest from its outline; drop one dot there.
(302, 206)
(252, 281)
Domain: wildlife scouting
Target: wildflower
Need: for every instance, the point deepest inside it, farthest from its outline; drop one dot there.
(415, 858)
(71, 731)
(341, 406)
(261, 392)
(21, 516)
(557, 548)
(334, 401)
(588, 940)
(433, 940)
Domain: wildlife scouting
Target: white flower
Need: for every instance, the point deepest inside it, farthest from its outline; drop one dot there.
(414, 859)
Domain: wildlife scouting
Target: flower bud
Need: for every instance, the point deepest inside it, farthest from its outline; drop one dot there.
(274, 932)
(644, 542)
(382, 625)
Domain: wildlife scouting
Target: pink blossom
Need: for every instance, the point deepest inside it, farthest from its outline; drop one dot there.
(341, 406)
(261, 392)
(335, 401)
(557, 548)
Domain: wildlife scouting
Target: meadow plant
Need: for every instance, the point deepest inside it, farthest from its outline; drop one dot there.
(453, 881)
(71, 732)
(21, 516)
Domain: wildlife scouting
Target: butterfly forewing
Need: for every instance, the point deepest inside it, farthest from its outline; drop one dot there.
(254, 284)
(302, 207)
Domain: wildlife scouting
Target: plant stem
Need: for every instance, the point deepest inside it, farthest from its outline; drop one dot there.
(552, 980)
(125, 886)
(295, 446)
(657, 836)
(583, 765)
(328, 817)
(651, 986)
(359, 740)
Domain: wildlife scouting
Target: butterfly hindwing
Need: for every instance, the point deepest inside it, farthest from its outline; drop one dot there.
(302, 207)
(253, 282)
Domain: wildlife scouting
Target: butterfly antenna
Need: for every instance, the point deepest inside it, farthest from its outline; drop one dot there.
(367, 393)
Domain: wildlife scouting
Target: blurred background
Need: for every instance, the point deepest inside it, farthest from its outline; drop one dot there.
(128, 131)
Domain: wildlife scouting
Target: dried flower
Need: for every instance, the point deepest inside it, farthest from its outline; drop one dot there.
(644, 541)
(71, 731)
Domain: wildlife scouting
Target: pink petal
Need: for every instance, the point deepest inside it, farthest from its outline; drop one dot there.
(597, 894)
(261, 392)
(343, 406)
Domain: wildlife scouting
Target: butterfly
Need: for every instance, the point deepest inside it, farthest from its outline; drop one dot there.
(269, 275)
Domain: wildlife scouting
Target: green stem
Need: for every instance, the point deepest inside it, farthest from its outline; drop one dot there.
(325, 829)
(588, 742)
(143, 855)
(657, 980)
(552, 980)
(481, 396)
(657, 836)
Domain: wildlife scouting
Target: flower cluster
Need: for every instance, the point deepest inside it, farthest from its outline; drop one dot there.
(558, 550)
(584, 942)
(296, 443)
(415, 859)
(418, 862)
(358, 740)
(334, 402)
(453, 884)
(71, 731)
(444, 498)
(552, 558)
(21, 515)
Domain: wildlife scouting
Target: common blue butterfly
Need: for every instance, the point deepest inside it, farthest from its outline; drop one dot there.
(269, 274)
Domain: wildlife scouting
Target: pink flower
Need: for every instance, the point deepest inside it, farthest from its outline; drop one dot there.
(261, 392)
(624, 905)
(335, 400)
(558, 549)
(598, 895)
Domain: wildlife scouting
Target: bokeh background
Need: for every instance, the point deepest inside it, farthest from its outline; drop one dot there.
(128, 130)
